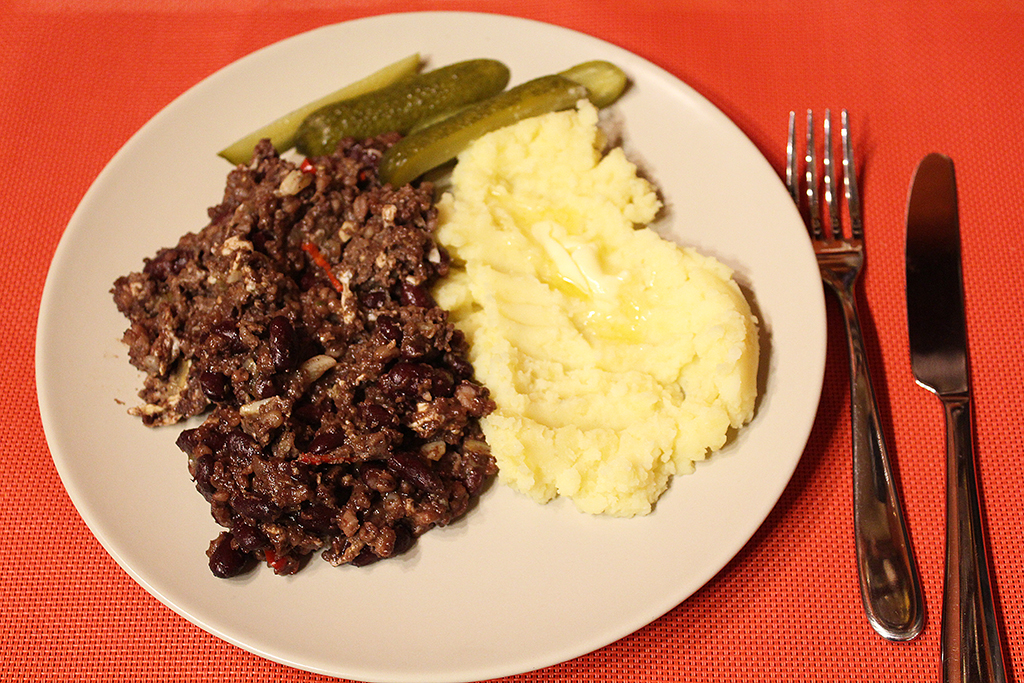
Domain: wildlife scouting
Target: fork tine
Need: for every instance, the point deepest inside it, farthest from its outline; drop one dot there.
(850, 181)
(811, 175)
(835, 225)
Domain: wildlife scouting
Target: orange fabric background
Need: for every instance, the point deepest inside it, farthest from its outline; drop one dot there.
(77, 79)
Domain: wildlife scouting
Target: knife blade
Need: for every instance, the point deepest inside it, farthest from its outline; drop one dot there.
(935, 298)
(937, 326)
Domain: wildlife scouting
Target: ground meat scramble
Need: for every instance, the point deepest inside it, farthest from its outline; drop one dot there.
(343, 416)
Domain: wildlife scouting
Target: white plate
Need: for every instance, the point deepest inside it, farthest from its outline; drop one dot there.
(514, 586)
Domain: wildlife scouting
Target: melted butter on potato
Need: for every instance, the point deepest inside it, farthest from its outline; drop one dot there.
(616, 358)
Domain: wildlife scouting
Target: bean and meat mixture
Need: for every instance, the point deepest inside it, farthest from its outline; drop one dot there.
(341, 414)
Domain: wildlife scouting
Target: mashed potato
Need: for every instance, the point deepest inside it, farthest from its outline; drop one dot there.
(616, 358)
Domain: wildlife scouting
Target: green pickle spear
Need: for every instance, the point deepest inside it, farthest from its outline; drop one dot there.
(400, 106)
(605, 81)
(282, 131)
(414, 155)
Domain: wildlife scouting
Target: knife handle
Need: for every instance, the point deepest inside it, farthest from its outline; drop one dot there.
(971, 649)
(889, 584)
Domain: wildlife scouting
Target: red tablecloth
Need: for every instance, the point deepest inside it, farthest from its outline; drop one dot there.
(77, 79)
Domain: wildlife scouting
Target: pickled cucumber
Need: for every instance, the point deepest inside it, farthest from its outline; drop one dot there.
(400, 106)
(412, 156)
(604, 81)
(282, 131)
(599, 81)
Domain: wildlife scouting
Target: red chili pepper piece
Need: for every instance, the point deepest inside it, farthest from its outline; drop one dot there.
(307, 167)
(273, 561)
(319, 260)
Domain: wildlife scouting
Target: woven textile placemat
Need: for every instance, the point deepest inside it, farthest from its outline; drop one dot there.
(78, 79)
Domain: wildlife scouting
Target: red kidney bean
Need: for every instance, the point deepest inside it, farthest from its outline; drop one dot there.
(389, 330)
(225, 560)
(474, 480)
(442, 383)
(255, 506)
(308, 413)
(188, 440)
(408, 381)
(202, 469)
(376, 478)
(228, 331)
(248, 537)
(263, 386)
(403, 539)
(166, 263)
(415, 295)
(214, 385)
(282, 343)
(375, 298)
(317, 519)
(214, 440)
(241, 447)
(416, 470)
(460, 367)
(416, 347)
(326, 441)
(376, 416)
(365, 557)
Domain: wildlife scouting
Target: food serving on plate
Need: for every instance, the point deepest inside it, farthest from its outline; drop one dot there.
(616, 358)
(342, 413)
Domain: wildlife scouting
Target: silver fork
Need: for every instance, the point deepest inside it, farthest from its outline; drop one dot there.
(889, 585)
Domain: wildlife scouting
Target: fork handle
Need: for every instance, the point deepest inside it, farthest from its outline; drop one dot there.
(889, 584)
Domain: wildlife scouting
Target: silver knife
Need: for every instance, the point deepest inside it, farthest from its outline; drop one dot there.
(971, 649)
